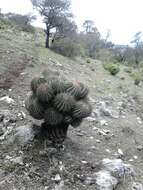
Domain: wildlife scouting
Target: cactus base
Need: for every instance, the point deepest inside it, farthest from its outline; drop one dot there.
(56, 134)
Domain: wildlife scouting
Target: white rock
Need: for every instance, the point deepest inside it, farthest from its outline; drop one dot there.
(57, 178)
(136, 186)
(103, 123)
(117, 168)
(7, 99)
(84, 162)
(120, 152)
(105, 181)
(104, 110)
(139, 120)
(135, 157)
(17, 160)
(107, 150)
(91, 119)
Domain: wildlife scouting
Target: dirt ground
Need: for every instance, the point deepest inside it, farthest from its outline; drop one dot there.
(120, 136)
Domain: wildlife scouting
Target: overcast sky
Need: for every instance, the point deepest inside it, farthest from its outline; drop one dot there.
(123, 17)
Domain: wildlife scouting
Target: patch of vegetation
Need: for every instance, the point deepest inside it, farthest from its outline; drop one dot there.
(88, 61)
(137, 78)
(17, 21)
(112, 68)
(66, 47)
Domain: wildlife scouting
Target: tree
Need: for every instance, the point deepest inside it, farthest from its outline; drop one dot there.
(138, 45)
(54, 12)
(20, 19)
(89, 26)
(65, 28)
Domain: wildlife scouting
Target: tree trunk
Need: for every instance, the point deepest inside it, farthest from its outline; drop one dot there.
(47, 37)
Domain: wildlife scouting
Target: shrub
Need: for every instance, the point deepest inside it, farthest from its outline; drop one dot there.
(20, 22)
(137, 78)
(88, 61)
(66, 47)
(112, 68)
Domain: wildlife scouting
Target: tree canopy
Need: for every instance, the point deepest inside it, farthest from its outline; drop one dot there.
(56, 15)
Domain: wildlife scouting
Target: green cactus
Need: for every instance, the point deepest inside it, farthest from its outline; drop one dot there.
(36, 82)
(68, 119)
(81, 110)
(60, 86)
(83, 92)
(56, 134)
(52, 117)
(34, 108)
(78, 90)
(64, 102)
(60, 103)
(45, 93)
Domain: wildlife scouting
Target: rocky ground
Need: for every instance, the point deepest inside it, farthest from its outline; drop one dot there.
(104, 153)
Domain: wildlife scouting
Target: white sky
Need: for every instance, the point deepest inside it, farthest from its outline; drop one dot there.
(123, 17)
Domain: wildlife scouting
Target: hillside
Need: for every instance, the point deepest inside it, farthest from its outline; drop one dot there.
(114, 130)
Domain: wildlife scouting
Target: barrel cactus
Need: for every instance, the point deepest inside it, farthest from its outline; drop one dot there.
(53, 117)
(81, 110)
(59, 103)
(44, 93)
(36, 82)
(78, 90)
(34, 107)
(64, 102)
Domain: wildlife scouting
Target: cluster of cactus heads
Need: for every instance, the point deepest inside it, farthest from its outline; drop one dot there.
(58, 103)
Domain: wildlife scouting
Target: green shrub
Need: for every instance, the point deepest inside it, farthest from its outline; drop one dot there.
(66, 47)
(20, 22)
(112, 68)
(88, 61)
(137, 78)
(4, 23)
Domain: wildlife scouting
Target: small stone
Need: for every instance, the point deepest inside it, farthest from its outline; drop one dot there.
(7, 99)
(106, 131)
(90, 119)
(107, 150)
(139, 120)
(104, 180)
(93, 147)
(140, 148)
(57, 178)
(135, 157)
(103, 123)
(80, 134)
(17, 160)
(137, 186)
(84, 162)
(120, 152)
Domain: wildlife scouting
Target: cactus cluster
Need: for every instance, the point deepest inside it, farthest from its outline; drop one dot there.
(58, 102)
